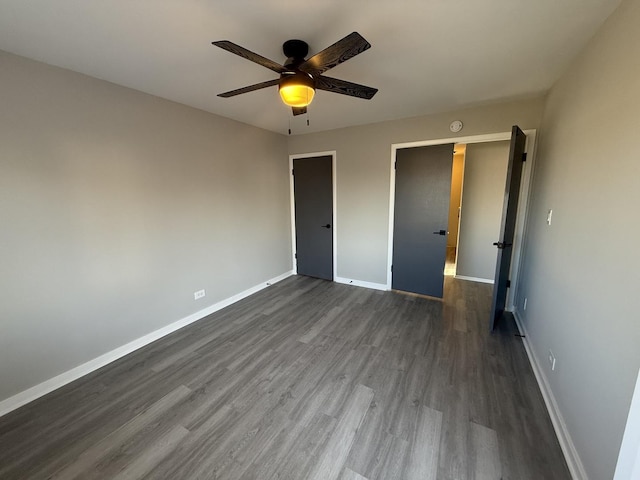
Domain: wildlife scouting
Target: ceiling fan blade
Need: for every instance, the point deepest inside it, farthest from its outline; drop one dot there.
(249, 55)
(299, 110)
(336, 85)
(339, 52)
(250, 88)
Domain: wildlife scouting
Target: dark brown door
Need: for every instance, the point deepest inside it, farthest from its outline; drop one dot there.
(508, 225)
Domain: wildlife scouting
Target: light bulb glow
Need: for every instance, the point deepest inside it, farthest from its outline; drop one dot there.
(297, 89)
(297, 95)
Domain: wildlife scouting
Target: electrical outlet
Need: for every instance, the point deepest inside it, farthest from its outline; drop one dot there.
(549, 215)
(552, 360)
(524, 306)
(198, 294)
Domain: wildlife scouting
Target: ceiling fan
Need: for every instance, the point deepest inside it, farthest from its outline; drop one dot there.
(299, 78)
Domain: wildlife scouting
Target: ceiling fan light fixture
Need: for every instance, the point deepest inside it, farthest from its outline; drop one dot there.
(297, 89)
(300, 77)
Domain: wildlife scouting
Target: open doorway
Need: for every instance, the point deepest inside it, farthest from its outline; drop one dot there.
(475, 209)
(484, 176)
(497, 187)
(457, 174)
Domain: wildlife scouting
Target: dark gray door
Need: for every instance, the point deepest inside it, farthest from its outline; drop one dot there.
(421, 216)
(313, 192)
(508, 225)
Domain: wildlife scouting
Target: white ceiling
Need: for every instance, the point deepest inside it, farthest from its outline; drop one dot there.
(426, 55)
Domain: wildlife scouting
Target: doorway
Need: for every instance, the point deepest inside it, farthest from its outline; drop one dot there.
(485, 173)
(455, 203)
(313, 214)
(522, 211)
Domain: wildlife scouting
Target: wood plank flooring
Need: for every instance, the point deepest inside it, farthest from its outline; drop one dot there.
(306, 379)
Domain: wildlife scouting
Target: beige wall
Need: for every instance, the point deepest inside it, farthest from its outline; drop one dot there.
(581, 274)
(485, 175)
(363, 174)
(455, 198)
(115, 207)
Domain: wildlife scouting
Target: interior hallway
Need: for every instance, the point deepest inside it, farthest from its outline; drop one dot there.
(305, 379)
(450, 261)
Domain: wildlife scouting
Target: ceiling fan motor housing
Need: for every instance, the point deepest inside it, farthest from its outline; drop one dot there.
(295, 51)
(298, 78)
(296, 87)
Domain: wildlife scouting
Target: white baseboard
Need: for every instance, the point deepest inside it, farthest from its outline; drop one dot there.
(360, 283)
(574, 462)
(69, 376)
(474, 279)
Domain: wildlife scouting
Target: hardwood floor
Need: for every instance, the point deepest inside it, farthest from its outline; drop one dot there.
(306, 379)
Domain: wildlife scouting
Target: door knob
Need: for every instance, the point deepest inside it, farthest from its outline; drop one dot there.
(502, 245)
(328, 225)
(440, 232)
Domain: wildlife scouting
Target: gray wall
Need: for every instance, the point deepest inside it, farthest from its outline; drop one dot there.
(115, 206)
(363, 174)
(581, 274)
(485, 174)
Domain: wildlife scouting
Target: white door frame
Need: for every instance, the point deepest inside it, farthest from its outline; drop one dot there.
(333, 201)
(523, 206)
(628, 467)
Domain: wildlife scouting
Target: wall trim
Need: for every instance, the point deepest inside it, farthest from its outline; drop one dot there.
(474, 279)
(628, 466)
(361, 283)
(576, 468)
(37, 391)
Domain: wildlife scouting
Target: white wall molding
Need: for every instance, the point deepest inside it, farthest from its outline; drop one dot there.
(474, 279)
(628, 467)
(360, 283)
(574, 462)
(69, 376)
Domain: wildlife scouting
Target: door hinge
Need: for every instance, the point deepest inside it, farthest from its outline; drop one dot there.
(292, 172)
(295, 255)
(391, 268)
(395, 165)
(524, 157)
(508, 283)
